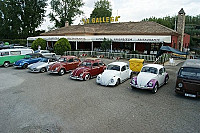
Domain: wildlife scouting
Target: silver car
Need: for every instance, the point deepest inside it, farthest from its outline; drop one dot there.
(42, 66)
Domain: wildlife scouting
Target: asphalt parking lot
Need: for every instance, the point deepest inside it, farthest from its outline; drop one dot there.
(43, 102)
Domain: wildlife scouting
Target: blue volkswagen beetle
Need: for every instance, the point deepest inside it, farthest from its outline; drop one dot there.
(29, 59)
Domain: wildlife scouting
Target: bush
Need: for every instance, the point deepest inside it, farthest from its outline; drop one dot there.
(39, 42)
(61, 46)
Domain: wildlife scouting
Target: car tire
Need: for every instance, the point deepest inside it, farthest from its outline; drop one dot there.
(155, 88)
(25, 66)
(6, 64)
(132, 87)
(87, 77)
(166, 80)
(118, 82)
(61, 72)
(42, 70)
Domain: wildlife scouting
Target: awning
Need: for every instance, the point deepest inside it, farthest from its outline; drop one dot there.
(170, 49)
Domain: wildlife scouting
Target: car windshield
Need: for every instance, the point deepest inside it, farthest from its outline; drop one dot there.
(44, 60)
(61, 60)
(193, 73)
(87, 64)
(113, 67)
(150, 70)
(27, 56)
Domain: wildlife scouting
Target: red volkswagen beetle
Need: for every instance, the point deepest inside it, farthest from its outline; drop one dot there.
(88, 69)
(64, 64)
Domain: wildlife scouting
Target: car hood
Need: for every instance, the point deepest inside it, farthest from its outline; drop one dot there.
(143, 78)
(80, 70)
(107, 75)
(38, 64)
(53, 66)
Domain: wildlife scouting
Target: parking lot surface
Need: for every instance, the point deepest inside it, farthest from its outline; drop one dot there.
(43, 102)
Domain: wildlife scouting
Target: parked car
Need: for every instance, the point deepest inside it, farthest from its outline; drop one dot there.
(29, 59)
(88, 69)
(45, 53)
(9, 56)
(151, 77)
(42, 66)
(115, 73)
(188, 78)
(64, 64)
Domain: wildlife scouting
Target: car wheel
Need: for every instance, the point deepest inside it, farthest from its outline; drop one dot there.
(6, 64)
(166, 80)
(132, 87)
(155, 88)
(87, 77)
(117, 83)
(42, 70)
(61, 72)
(25, 66)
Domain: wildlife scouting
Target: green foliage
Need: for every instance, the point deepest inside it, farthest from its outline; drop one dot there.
(102, 9)
(39, 42)
(65, 10)
(61, 46)
(105, 44)
(20, 18)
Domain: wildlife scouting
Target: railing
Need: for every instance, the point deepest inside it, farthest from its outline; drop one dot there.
(148, 58)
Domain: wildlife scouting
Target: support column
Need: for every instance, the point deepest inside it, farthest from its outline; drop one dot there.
(92, 48)
(134, 45)
(27, 43)
(47, 45)
(111, 47)
(76, 45)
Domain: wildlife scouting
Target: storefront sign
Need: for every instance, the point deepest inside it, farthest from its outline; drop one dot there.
(101, 20)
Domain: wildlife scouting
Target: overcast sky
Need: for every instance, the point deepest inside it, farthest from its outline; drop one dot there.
(136, 10)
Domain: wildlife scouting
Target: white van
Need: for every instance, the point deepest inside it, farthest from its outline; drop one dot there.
(9, 56)
(7, 52)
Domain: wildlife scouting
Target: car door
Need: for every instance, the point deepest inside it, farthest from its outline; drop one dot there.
(161, 76)
(101, 67)
(70, 64)
(95, 69)
(76, 63)
(124, 72)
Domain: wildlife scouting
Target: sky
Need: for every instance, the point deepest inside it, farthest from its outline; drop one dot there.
(136, 10)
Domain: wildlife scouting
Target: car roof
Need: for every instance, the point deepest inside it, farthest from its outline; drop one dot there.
(118, 63)
(154, 65)
(92, 60)
(69, 57)
(192, 63)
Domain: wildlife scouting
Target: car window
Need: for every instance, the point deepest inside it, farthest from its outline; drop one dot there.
(101, 63)
(150, 70)
(70, 60)
(113, 67)
(4, 53)
(15, 52)
(76, 60)
(87, 64)
(192, 73)
(161, 71)
(123, 68)
(95, 64)
(62, 60)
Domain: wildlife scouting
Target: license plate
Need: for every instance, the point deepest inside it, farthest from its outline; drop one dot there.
(190, 95)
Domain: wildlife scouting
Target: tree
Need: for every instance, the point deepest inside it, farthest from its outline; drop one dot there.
(20, 18)
(102, 8)
(105, 44)
(61, 46)
(65, 10)
(39, 42)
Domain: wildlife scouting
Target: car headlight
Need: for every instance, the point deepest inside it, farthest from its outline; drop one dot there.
(81, 75)
(150, 84)
(112, 80)
(180, 85)
(21, 63)
(56, 68)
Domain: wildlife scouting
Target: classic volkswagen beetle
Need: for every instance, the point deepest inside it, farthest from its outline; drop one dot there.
(87, 69)
(42, 65)
(64, 64)
(115, 73)
(29, 59)
(150, 77)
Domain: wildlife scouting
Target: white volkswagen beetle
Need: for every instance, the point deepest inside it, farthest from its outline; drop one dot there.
(150, 77)
(115, 73)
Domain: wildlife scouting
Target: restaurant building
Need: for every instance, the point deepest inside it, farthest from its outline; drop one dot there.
(144, 37)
